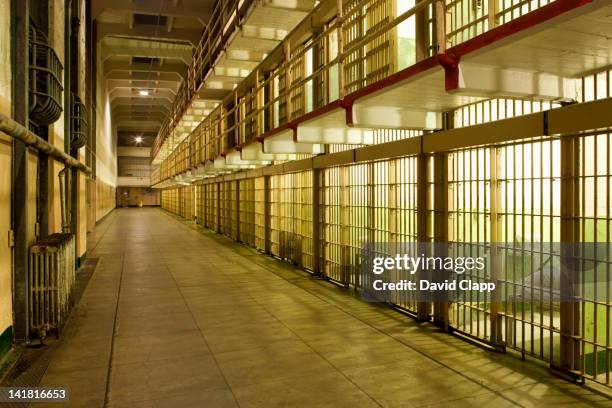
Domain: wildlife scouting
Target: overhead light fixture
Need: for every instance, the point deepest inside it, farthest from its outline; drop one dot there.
(138, 139)
(143, 92)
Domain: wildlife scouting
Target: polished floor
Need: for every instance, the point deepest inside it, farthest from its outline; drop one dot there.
(179, 317)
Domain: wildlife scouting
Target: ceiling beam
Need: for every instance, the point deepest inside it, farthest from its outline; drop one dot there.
(137, 83)
(148, 32)
(138, 118)
(128, 93)
(181, 9)
(143, 134)
(140, 109)
(145, 48)
(169, 67)
(151, 112)
(142, 102)
(138, 126)
(144, 76)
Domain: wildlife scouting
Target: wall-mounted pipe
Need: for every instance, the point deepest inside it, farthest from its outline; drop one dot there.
(14, 129)
(65, 187)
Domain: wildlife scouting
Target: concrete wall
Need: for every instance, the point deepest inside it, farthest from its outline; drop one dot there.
(133, 196)
(134, 151)
(106, 135)
(106, 147)
(6, 298)
(105, 199)
(81, 241)
(103, 189)
(106, 150)
(133, 181)
(56, 130)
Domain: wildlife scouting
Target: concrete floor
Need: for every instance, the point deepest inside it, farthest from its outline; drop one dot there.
(190, 319)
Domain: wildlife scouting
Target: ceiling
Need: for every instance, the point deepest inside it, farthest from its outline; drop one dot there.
(146, 47)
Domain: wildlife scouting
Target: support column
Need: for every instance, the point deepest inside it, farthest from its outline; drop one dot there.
(393, 215)
(492, 17)
(19, 206)
(71, 177)
(237, 210)
(497, 264)
(316, 222)
(218, 209)
(319, 95)
(440, 221)
(569, 362)
(423, 307)
(323, 203)
(288, 81)
(372, 219)
(341, 80)
(344, 223)
(44, 162)
(439, 212)
(267, 193)
(421, 33)
(440, 25)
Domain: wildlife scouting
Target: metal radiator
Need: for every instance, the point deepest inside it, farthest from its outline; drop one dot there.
(52, 278)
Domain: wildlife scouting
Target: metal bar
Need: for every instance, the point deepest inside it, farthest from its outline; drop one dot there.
(267, 229)
(423, 308)
(533, 125)
(440, 234)
(19, 132)
(316, 221)
(570, 310)
(496, 268)
(19, 188)
(440, 22)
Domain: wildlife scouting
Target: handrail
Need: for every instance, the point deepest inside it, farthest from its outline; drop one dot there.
(19, 132)
(248, 107)
(201, 63)
(285, 66)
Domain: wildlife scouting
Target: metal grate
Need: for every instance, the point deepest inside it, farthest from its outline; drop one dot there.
(260, 213)
(247, 211)
(291, 218)
(200, 199)
(333, 243)
(186, 202)
(515, 197)
(469, 227)
(233, 210)
(224, 206)
(528, 186)
(395, 209)
(78, 123)
(45, 84)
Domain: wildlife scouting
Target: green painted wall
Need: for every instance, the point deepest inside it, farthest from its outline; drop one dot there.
(6, 341)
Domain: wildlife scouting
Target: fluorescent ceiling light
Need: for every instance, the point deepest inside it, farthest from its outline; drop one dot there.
(143, 92)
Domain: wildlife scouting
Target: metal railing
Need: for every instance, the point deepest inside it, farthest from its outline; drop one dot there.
(473, 193)
(224, 20)
(365, 43)
(17, 131)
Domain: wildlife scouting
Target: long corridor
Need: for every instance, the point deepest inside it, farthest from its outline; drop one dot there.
(175, 316)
